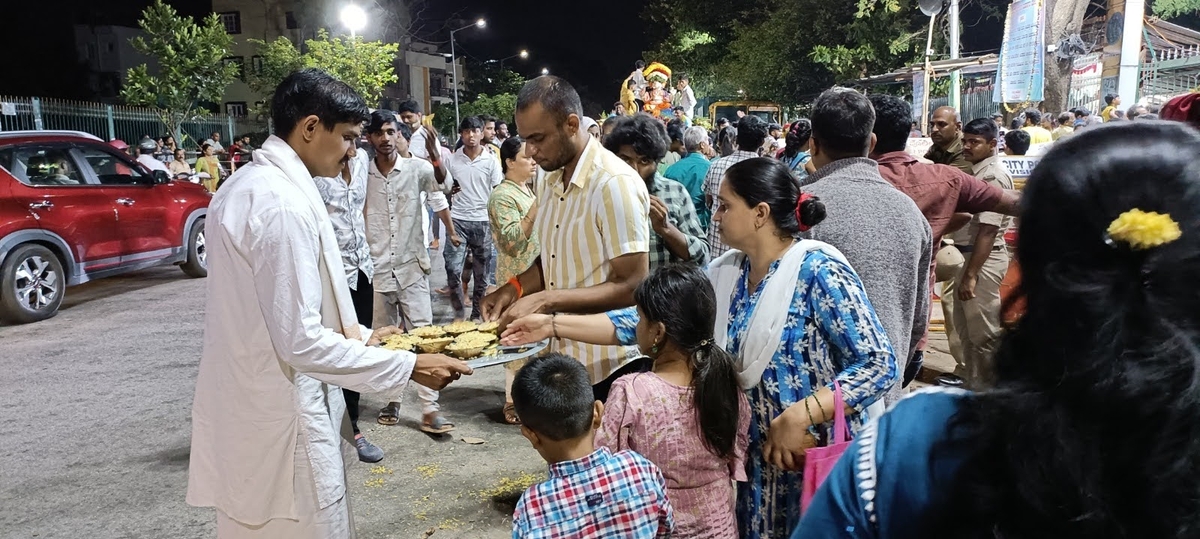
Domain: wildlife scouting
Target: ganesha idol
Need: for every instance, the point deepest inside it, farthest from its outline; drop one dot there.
(657, 99)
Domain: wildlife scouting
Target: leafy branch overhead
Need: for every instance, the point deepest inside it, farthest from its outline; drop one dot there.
(367, 66)
(1175, 8)
(782, 50)
(191, 67)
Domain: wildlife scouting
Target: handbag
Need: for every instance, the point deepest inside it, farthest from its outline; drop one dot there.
(819, 461)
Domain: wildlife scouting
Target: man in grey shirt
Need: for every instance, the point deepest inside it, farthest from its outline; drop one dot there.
(880, 229)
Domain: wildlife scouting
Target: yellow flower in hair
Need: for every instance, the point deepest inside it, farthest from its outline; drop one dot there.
(1144, 230)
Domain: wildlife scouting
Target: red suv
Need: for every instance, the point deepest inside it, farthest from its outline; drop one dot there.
(74, 209)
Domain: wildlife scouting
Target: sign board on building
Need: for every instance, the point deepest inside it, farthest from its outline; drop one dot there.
(1020, 75)
(918, 98)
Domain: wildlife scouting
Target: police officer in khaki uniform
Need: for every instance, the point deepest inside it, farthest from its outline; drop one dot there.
(976, 309)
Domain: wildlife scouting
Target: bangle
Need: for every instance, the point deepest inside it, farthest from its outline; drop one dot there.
(811, 421)
(554, 324)
(436, 163)
(516, 283)
(824, 418)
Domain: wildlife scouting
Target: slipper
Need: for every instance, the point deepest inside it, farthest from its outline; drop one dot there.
(436, 424)
(510, 414)
(389, 415)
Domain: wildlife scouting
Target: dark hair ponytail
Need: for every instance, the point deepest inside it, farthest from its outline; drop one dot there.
(762, 180)
(715, 387)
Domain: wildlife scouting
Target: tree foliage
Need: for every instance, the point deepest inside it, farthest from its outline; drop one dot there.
(782, 50)
(367, 66)
(490, 79)
(502, 106)
(191, 67)
(1175, 8)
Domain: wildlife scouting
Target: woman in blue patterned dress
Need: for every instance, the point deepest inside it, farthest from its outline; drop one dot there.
(789, 350)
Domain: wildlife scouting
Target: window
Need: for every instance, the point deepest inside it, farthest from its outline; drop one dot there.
(42, 166)
(236, 109)
(291, 21)
(111, 169)
(256, 64)
(240, 62)
(232, 20)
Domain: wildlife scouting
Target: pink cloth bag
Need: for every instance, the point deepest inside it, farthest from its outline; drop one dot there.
(819, 461)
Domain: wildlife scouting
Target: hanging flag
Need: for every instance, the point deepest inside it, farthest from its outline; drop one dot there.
(1020, 75)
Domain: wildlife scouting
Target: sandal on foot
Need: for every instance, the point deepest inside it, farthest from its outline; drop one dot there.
(436, 424)
(389, 415)
(510, 414)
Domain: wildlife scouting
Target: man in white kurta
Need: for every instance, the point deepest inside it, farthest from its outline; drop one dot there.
(281, 339)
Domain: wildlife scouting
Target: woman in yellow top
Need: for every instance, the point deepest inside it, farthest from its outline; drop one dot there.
(208, 163)
(512, 209)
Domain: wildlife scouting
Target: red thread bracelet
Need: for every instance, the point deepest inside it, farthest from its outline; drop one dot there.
(516, 283)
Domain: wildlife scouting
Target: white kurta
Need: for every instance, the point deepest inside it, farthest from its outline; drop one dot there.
(272, 366)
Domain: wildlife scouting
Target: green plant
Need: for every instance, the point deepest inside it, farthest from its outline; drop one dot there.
(191, 66)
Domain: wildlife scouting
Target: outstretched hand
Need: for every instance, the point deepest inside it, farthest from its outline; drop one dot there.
(436, 371)
(528, 329)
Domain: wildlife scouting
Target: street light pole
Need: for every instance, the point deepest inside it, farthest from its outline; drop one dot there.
(454, 66)
(955, 75)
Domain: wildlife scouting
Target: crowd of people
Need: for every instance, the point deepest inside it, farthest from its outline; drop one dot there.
(709, 319)
(211, 164)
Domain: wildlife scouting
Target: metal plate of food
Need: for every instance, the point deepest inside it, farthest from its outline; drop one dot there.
(508, 354)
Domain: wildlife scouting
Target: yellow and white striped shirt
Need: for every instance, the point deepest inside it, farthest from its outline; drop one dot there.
(601, 215)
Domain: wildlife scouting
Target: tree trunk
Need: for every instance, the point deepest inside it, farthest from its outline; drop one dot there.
(1063, 18)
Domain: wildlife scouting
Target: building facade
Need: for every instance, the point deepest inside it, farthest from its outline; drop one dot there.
(108, 56)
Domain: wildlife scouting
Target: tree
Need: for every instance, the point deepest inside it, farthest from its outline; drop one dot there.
(1064, 18)
(490, 79)
(367, 66)
(782, 50)
(502, 106)
(1175, 8)
(191, 66)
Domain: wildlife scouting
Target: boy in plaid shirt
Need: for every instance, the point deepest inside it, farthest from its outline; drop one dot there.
(591, 493)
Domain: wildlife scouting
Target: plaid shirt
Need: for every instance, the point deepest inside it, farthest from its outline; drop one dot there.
(712, 184)
(600, 496)
(682, 214)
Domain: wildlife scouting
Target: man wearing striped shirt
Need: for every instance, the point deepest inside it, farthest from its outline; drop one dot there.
(593, 223)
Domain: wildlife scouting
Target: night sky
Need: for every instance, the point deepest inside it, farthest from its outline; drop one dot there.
(591, 44)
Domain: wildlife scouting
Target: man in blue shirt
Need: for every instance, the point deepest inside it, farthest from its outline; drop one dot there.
(690, 170)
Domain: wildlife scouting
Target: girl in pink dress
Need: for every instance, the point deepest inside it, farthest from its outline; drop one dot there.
(687, 415)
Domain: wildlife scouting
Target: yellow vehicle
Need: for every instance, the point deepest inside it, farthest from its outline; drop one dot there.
(770, 112)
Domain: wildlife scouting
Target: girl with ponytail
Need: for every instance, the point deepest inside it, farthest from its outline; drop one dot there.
(782, 319)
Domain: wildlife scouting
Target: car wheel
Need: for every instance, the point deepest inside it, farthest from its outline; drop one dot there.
(33, 284)
(197, 254)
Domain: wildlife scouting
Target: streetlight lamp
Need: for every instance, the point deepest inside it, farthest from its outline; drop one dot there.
(524, 54)
(353, 18)
(454, 65)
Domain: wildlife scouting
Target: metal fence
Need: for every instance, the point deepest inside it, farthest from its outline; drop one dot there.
(976, 101)
(112, 121)
(1170, 72)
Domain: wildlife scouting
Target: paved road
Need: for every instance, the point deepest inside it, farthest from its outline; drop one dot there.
(95, 423)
